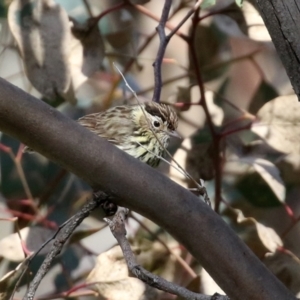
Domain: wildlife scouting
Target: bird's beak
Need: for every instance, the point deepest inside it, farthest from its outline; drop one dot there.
(174, 133)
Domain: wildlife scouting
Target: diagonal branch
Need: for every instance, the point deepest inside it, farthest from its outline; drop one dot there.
(117, 228)
(161, 50)
(164, 40)
(60, 239)
(137, 186)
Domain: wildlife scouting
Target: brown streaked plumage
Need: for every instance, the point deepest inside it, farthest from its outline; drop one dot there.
(131, 129)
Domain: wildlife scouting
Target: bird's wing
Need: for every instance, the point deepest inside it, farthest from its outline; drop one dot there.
(111, 126)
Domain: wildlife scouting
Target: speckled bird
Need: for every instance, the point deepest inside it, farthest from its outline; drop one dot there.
(136, 129)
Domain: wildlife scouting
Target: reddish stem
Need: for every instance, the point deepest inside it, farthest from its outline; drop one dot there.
(203, 103)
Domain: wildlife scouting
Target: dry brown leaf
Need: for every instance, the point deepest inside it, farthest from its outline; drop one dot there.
(286, 267)
(260, 238)
(112, 281)
(279, 124)
(33, 238)
(42, 31)
(255, 24)
(7, 282)
(208, 285)
(216, 112)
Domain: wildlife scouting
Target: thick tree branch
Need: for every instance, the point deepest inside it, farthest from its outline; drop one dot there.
(282, 19)
(137, 186)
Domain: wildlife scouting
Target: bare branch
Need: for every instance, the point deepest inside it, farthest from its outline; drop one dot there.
(117, 228)
(161, 50)
(164, 40)
(61, 237)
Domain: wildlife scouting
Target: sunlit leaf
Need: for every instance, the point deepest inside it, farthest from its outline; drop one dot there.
(278, 124)
(239, 2)
(260, 238)
(32, 237)
(208, 285)
(112, 277)
(8, 281)
(256, 26)
(41, 29)
(286, 267)
(207, 3)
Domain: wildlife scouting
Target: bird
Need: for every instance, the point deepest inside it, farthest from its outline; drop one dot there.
(142, 130)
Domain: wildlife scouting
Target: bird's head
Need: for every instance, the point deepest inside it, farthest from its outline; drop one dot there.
(158, 118)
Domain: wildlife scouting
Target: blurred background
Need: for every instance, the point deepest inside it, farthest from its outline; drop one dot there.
(238, 119)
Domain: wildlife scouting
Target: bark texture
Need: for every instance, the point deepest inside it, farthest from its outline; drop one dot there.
(282, 19)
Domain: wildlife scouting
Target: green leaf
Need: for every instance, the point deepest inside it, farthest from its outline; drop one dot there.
(255, 190)
(208, 3)
(239, 2)
(3, 9)
(263, 94)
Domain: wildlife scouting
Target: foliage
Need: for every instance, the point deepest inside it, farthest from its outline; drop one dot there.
(238, 119)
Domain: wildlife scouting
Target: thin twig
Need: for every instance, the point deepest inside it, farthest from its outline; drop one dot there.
(164, 40)
(161, 50)
(17, 161)
(203, 103)
(108, 10)
(117, 228)
(148, 13)
(88, 8)
(61, 237)
(180, 260)
(186, 17)
(107, 100)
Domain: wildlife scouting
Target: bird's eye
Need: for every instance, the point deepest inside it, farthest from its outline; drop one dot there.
(156, 124)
